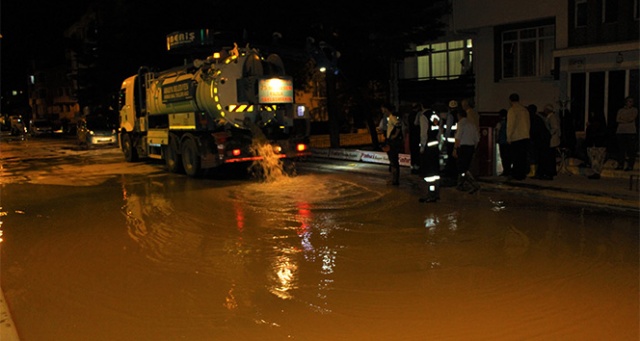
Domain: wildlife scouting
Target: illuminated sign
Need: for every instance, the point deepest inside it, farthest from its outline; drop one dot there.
(275, 90)
(189, 38)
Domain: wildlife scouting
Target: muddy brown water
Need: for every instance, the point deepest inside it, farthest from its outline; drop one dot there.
(93, 252)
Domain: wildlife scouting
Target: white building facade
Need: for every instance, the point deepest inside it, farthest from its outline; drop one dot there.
(582, 55)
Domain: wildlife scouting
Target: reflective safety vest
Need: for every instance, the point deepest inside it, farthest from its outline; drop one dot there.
(434, 130)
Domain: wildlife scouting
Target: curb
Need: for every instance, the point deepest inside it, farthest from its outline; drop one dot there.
(365, 161)
(8, 330)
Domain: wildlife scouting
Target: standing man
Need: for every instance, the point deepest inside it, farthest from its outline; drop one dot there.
(503, 146)
(394, 140)
(414, 138)
(468, 105)
(467, 138)
(518, 127)
(472, 115)
(450, 126)
(429, 124)
(552, 121)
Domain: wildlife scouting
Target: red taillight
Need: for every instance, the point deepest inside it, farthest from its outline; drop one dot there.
(235, 152)
(301, 147)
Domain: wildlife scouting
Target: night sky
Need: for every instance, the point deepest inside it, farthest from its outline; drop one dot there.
(134, 31)
(34, 29)
(30, 29)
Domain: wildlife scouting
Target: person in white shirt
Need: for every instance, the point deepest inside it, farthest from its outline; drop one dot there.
(467, 138)
(472, 115)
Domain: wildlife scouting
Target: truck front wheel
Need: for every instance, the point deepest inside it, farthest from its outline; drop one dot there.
(172, 158)
(130, 152)
(191, 158)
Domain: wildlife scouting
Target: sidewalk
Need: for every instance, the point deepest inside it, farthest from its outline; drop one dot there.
(616, 189)
(8, 330)
(618, 192)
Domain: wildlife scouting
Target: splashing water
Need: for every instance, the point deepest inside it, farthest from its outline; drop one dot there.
(269, 168)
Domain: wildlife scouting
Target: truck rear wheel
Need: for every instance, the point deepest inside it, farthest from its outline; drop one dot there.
(191, 158)
(130, 152)
(172, 159)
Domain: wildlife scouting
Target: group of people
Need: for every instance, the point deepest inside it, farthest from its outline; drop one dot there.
(626, 139)
(528, 140)
(459, 134)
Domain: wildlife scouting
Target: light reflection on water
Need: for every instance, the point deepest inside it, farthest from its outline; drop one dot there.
(294, 201)
(2, 214)
(322, 257)
(166, 233)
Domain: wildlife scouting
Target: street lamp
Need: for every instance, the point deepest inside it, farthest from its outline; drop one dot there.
(326, 58)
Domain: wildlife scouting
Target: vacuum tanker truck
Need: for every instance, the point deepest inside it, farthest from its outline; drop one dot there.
(234, 106)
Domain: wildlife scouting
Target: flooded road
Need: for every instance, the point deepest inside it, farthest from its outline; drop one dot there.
(97, 249)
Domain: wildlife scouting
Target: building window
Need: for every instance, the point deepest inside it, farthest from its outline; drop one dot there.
(609, 11)
(527, 52)
(600, 92)
(447, 60)
(580, 13)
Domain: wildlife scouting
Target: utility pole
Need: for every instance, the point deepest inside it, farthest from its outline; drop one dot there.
(332, 109)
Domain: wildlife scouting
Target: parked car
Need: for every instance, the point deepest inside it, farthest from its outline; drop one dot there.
(97, 130)
(18, 127)
(41, 126)
(5, 126)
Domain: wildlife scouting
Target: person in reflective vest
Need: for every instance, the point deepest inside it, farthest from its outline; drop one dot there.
(429, 123)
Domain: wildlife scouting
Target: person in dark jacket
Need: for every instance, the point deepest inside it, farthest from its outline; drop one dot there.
(394, 141)
(549, 141)
(414, 138)
(539, 143)
(503, 145)
(596, 142)
(449, 127)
